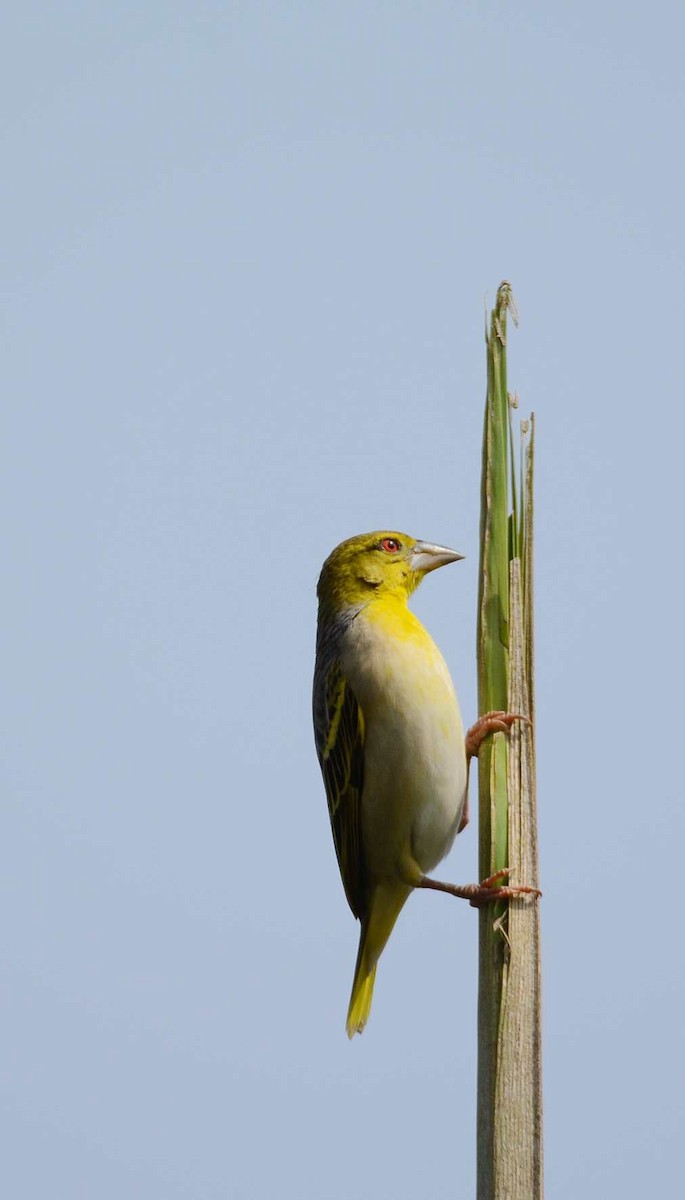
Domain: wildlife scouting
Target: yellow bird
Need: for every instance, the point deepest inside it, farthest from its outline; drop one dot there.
(389, 738)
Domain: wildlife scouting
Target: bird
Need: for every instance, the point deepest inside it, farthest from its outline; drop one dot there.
(390, 740)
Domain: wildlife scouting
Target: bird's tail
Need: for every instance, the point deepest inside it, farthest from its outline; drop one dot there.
(384, 909)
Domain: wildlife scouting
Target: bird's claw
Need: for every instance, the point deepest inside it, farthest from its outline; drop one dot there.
(490, 722)
(490, 890)
(478, 894)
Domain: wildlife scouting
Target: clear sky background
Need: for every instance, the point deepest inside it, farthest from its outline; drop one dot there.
(246, 250)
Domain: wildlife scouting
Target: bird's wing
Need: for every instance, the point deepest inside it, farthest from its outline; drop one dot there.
(339, 733)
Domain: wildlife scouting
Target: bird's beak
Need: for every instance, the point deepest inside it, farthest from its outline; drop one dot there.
(425, 556)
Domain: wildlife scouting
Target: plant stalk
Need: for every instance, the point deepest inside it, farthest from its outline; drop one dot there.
(509, 1130)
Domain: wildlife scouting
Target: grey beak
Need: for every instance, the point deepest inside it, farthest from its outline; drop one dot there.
(426, 556)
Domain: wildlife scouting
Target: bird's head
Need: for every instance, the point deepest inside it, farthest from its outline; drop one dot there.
(385, 563)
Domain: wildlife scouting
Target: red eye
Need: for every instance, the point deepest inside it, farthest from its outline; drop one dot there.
(391, 545)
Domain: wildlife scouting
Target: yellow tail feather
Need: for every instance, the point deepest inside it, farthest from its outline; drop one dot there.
(360, 1002)
(384, 909)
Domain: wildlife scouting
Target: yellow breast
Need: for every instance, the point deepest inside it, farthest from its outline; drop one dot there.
(415, 762)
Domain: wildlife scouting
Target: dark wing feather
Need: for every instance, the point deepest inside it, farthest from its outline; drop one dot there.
(339, 733)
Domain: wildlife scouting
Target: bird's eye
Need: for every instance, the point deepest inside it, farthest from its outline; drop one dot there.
(390, 545)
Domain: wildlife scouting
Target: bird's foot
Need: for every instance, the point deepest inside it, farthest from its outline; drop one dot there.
(490, 722)
(478, 894)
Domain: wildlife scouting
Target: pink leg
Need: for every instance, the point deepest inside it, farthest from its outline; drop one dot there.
(478, 894)
(491, 722)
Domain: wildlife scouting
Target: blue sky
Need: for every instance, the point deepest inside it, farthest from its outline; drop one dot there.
(247, 248)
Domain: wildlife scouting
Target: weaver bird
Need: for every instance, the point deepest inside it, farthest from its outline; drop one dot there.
(390, 740)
